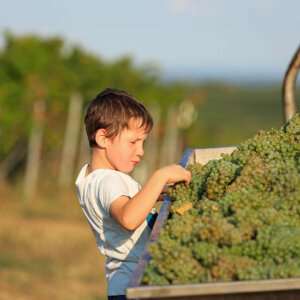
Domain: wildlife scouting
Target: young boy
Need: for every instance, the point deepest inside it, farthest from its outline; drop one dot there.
(114, 203)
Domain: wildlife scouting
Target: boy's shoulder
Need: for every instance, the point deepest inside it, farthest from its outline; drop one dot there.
(104, 186)
(105, 175)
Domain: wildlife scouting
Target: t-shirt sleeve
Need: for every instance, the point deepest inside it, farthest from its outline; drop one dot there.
(110, 188)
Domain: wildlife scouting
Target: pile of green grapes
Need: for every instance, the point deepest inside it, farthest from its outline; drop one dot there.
(244, 221)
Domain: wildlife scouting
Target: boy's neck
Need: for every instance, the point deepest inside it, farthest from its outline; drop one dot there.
(98, 160)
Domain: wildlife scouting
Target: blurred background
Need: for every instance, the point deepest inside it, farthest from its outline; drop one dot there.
(210, 72)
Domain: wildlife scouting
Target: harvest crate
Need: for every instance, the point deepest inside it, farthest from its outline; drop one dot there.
(279, 289)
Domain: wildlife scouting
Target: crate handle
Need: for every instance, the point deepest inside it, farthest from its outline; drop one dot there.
(289, 86)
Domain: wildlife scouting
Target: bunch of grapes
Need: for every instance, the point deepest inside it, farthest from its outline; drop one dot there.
(242, 221)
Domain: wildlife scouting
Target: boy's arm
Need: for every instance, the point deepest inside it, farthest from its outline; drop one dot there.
(130, 213)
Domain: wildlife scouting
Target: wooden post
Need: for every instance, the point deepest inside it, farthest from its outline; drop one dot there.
(169, 148)
(34, 150)
(70, 140)
(84, 149)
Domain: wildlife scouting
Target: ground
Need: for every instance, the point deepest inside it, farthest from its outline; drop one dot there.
(47, 251)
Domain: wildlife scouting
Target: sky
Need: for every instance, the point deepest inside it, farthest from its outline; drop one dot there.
(218, 39)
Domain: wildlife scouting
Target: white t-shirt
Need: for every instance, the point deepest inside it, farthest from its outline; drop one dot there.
(122, 248)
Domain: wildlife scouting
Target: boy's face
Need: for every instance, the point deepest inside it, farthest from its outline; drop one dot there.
(126, 150)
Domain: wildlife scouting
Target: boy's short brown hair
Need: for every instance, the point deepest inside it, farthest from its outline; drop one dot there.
(112, 109)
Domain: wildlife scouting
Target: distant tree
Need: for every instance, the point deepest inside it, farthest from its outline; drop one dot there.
(34, 68)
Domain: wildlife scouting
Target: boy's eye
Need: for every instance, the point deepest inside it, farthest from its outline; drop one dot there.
(132, 142)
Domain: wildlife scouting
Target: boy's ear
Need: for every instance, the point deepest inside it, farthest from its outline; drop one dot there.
(101, 138)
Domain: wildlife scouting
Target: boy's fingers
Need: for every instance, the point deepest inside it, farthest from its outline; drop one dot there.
(188, 177)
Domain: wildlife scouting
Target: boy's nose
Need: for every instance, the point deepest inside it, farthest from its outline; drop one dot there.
(140, 151)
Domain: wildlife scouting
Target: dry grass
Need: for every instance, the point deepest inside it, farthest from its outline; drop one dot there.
(47, 250)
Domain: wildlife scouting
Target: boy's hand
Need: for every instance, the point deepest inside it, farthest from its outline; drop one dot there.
(175, 173)
(132, 213)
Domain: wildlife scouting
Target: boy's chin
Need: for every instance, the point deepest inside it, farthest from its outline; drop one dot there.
(130, 171)
(127, 170)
